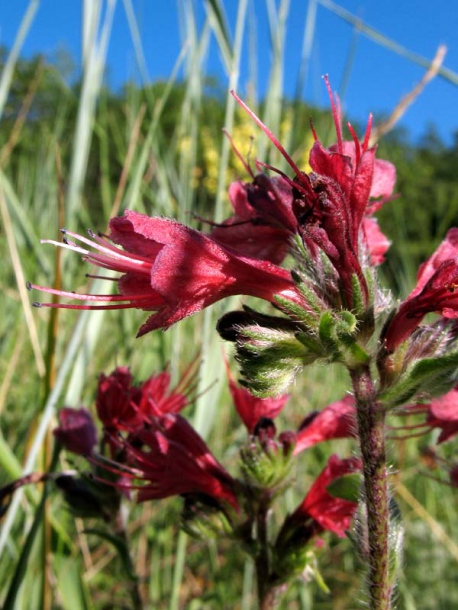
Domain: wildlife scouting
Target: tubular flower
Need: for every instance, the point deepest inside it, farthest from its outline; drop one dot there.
(337, 420)
(170, 458)
(173, 270)
(436, 291)
(121, 405)
(331, 203)
(263, 222)
(328, 512)
(443, 414)
(76, 431)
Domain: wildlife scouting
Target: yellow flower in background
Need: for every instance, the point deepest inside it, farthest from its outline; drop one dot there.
(205, 174)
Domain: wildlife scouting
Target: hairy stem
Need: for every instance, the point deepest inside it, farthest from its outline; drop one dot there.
(371, 432)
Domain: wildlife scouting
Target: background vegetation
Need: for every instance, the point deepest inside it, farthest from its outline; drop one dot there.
(74, 154)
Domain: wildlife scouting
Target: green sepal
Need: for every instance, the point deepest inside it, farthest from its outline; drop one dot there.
(346, 487)
(298, 313)
(204, 522)
(310, 295)
(265, 468)
(429, 376)
(337, 334)
(359, 301)
(269, 359)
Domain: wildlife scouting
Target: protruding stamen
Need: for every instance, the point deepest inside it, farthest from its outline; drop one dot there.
(335, 107)
(268, 133)
(367, 135)
(239, 154)
(297, 185)
(101, 277)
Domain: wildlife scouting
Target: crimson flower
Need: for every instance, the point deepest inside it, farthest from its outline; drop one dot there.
(252, 409)
(76, 431)
(436, 291)
(172, 270)
(327, 512)
(331, 202)
(121, 405)
(263, 222)
(337, 420)
(170, 458)
(443, 414)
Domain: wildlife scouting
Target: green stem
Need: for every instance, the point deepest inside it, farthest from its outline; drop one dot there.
(371, 432)
(133, 585)
(268, 594)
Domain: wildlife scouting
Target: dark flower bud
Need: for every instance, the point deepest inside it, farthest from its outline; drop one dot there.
(89, 498)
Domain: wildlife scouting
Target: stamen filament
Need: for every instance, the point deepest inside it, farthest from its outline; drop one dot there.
(269, 134)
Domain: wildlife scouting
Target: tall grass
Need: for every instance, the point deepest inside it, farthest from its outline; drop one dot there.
(51, 360)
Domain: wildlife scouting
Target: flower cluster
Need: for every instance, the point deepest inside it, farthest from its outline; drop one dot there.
(175, 271)
(308, 244)
(155, 453)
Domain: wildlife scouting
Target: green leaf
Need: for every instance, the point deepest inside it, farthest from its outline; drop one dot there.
(346, 487)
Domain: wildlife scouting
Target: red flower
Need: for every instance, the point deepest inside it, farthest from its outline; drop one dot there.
(331, 202)
(436, 291)
(250, 408)
(337, 420)
(173, 270)
(263, 222)
(443, 414)
(124, 406)
(326, 511)
(76, 432)
(172, 459)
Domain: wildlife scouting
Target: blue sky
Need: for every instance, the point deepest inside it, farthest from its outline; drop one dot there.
(378, 77)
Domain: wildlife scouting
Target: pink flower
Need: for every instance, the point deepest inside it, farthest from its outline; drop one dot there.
(252, 409)
(337, 420)
(76, 432)
(443, 414)
(173, 270)
(377, 243)
(170, 458)
(436, 291)
(326, 511)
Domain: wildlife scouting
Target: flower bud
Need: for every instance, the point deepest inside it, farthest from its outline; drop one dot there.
(266, 462)
(204, 520)
(338, 335)
(89, 498)
(270, 350)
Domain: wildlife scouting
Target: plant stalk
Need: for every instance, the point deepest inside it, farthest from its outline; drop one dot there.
(268, 594)
(371, 433)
